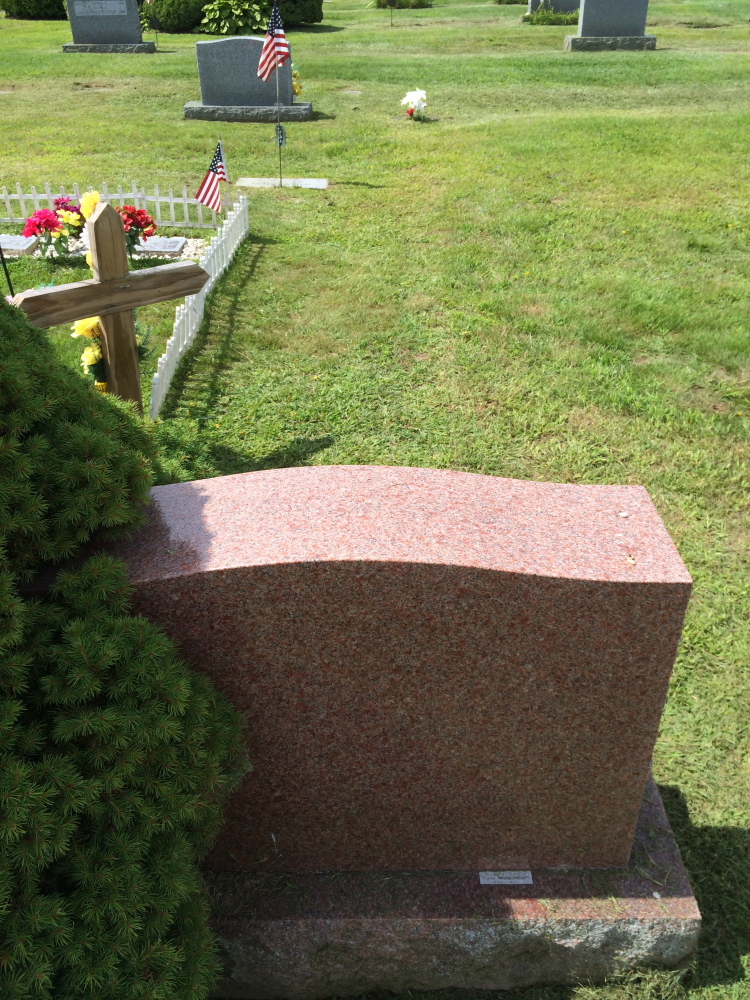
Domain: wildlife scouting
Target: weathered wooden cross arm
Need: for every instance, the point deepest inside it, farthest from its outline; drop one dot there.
(112, 294)
(81, 299)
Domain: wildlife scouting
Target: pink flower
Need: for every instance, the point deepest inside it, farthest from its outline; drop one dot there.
(42, 221)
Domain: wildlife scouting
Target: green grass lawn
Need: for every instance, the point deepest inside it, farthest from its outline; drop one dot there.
(550, 280)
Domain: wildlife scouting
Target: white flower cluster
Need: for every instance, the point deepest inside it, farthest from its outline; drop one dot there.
(416, 100)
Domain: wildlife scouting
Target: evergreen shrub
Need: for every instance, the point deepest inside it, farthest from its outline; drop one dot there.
(298, 12)
(114, 756)
(35, 10)
(177, 17)
(72, 462)
(403, 4)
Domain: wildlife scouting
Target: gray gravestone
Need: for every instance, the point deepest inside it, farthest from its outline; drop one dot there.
(611, 24)
(106, 26)
(231, 89)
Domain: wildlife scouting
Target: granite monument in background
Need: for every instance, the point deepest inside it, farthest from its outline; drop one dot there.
(449, 679)
(106, 26)
(232, 91)
(611, 24)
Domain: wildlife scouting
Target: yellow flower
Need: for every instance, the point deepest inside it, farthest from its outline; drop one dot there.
(86, 327)
(88, 259)
(88, 203)
(69, 218)
(90, 356)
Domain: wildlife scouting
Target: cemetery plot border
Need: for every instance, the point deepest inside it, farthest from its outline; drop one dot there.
(189, 316)
(168, 209)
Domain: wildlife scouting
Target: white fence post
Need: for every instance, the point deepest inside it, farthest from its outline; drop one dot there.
(188, 317)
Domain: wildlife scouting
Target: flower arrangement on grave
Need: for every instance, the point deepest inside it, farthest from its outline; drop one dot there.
(415, 103)
(138, 225)
(92, 358)
(89, 201)
(56, 227)
(297, 85)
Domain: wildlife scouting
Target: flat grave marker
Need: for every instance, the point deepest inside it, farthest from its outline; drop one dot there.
(18, 246)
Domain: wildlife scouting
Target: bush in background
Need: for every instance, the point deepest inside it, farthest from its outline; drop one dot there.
(35, 10)
(545, 14)
(404, 4)
(114, 756)
(178, 17)
(234, 17)
(297, 12)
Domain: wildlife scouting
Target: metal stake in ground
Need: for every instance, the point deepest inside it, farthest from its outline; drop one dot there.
(279, 130)
(7, 273)
(112, 295)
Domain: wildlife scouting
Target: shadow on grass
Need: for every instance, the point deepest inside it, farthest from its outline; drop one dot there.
(226, 297)
(316, 29)
(717, 859)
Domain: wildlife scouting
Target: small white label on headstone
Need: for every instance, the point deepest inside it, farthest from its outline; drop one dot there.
(505, 878)
(100, 8)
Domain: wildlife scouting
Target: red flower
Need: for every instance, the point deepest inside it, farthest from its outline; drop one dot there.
(409, 112)
(137, 218)
(42, 221)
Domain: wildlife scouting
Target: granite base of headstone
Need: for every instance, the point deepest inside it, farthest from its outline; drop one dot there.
(452, 685)
(106, 26)
(605, 25)
(232, 91)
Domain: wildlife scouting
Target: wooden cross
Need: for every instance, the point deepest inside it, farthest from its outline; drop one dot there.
(112, 294)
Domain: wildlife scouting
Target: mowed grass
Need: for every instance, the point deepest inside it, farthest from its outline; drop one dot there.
(551, 280)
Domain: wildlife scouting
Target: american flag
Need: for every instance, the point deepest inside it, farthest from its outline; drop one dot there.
(275, 51)
(208, 193)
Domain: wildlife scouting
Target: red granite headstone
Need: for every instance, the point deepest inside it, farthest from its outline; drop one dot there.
(438, 670)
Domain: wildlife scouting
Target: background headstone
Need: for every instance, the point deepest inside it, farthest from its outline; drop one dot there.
(231, 89)
(611, 24)
(106, 26)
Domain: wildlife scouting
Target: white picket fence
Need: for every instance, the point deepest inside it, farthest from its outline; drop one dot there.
(189, 316)
(178, 209)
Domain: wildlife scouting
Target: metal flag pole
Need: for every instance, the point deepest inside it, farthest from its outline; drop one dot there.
(278, 118)
(7, 273)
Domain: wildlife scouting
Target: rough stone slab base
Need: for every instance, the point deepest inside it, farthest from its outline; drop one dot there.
(308, 936)
(127, 48)
(590, 43)
(301, 112)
